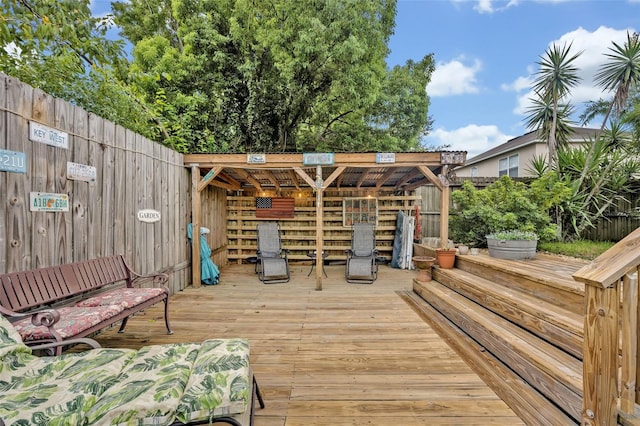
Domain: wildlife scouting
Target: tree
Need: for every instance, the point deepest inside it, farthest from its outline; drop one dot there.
(274, 75)
(60, 48)
(554, 80)
(598, 173)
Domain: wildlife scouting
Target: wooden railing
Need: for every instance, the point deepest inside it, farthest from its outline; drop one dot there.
(610, 367)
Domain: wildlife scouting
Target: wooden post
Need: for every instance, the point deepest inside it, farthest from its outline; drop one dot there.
(629, 343)
(319, 227)
(599, 406)
(195, 221)
(444, 209)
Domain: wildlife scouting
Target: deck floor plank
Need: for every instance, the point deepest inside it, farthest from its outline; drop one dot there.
(347, 355)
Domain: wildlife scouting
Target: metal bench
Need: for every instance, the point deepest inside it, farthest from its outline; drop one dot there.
(76, 300)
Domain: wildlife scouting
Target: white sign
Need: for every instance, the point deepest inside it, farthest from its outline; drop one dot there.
(47, 135)
(148, 216)
(81, 172)
(42, 202)
(256, 158)
(386, 157)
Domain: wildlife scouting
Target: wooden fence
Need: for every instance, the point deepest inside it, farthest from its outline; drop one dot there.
(75, 187)
(619, 221)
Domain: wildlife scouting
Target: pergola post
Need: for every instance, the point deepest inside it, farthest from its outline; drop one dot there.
(195, 221)
(319, 227)
(444, 214)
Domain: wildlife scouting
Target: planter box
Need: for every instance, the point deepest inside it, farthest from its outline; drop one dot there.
(512, 249)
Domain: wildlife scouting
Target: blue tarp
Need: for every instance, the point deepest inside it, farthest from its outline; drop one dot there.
(209, 273)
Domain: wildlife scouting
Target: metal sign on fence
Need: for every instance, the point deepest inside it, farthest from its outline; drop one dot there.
(81, 172)
(11, 161)
(48, 135)
(45, 202)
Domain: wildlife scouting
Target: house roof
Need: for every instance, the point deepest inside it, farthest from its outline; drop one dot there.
(580, 134)
(364, 170)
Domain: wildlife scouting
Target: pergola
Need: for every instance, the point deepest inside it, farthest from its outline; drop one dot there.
(404, 171)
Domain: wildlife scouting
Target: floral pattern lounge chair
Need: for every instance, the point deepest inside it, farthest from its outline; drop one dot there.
(172, 384)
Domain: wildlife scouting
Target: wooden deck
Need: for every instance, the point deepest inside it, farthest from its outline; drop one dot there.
(350, 354)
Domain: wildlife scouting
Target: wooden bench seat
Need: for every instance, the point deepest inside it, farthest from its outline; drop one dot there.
(76, 300)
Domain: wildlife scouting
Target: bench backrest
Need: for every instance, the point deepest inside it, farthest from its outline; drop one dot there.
(21, 291)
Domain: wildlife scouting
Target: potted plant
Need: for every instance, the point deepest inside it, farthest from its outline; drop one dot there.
(463, 248)
(446, 256)
(512, 244)
(424, 264)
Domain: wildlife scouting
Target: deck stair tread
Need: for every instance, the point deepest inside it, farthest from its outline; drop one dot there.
(560, 326)
(552, 371)
(543, 270)
(531, 406)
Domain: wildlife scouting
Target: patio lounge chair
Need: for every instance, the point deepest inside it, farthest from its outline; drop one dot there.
(361, 258)
(169, 384)
(273, 262)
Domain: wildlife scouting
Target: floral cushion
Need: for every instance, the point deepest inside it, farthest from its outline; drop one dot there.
(57, 390)
(148, 389)
(220, 382)
(125, 297)
(153, 386)
(73, 320)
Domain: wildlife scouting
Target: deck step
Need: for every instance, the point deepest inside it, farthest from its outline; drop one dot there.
(547, 282)
(553, 323)
(549, 370)
(531, 406)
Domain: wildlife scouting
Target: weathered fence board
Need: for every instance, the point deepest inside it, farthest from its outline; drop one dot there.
(132, 173)
(3, 179)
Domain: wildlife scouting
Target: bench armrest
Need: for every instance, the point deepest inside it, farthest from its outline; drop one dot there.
(159, 280)
(46, 317)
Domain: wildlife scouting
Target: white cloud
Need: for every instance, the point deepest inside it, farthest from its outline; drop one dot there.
(488, 6)
(454, 78)
(593, 46)
(472, 138)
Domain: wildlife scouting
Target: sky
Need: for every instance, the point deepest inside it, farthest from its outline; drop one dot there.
(486, 54)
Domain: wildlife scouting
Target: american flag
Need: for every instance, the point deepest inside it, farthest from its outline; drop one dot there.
(275, 207)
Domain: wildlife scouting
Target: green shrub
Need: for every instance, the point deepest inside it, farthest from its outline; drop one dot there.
(506, 205)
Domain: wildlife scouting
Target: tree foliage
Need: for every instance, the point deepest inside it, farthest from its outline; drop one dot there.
(275, 75)
(506, 205)
(554, 80)
(59, 47)
(598, 173)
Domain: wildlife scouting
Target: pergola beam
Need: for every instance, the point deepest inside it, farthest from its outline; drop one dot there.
(407, 178)
(294, 179)
(363, 176)
(385, 177)
(253, 181)
(272, 179)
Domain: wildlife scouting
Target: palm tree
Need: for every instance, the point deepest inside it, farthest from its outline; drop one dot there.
(540, 116)
(556, 76)
(620, 75)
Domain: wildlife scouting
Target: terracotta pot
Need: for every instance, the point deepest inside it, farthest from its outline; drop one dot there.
(446, 258)
(424, 264)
